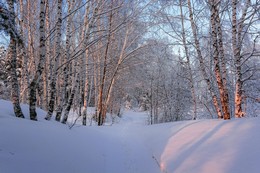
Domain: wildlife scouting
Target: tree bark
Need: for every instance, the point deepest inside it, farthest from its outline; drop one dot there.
(71, 98)
(100, 111)
(56, 63)
(191, 80)
(25, 75)
(88, 24)
(222, 90)
(113, 79)
(201, 63)
(236, 46)
(48, 66)
(37, 76)
(65, 76)
(12, 63)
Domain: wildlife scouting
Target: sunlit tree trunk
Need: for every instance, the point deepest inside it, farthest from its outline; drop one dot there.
(217, 47)
(25, 78)
(201, 63)
(31, 48)
(46, 65)
(100, 111)
(85, 37)
(49, 61)
(116, 70)
(237, 28)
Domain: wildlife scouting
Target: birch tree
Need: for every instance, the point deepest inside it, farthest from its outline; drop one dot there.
(63, 90)
(56, 62)
(100, 113)
(79, 81)
(68, 105)
(201, 62)
(24, 81)
(238, 35)
(40, 67)
(88, 24)
(11, 62)
(222, 89)
(190, 75)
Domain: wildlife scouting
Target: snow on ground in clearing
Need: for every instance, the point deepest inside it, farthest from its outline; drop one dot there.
(129, 146)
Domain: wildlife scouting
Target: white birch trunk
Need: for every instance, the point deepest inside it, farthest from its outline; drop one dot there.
(225, 95)
(214, 32)
(201, 63)
(236, 46)
(11, 62)
(37, 76)
(63, 90)
(68, 105)
(191, 80)
(56, 63)
(88, 24)
(25, 76)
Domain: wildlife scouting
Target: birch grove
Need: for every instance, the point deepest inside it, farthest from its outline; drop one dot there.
(178, 60)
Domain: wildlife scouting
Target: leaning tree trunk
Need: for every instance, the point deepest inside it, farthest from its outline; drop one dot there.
(191, 81)
(223, 65)
(201, 63)
(11, 63)
(56, 63)
(37, 76)
(113, 78)
(223, 95)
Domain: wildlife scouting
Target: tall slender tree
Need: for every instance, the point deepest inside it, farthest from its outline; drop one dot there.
(188, 62)
(11, 63)
(202, 64)
(216, 46)
(56, 63)
(40, 67)
(237, 39)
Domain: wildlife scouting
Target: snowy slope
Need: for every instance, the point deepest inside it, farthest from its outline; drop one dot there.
(130, 146)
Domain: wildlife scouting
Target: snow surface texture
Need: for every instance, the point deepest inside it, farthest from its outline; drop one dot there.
(129, 146)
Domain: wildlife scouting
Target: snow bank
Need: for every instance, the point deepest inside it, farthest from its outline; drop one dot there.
(130, 146)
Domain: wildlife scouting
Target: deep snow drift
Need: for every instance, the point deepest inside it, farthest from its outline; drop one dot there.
(129, 146)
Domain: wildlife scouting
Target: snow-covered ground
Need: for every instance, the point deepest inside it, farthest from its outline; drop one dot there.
(129, 146)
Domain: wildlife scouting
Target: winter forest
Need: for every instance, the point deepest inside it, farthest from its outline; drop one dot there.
(129, 86)
(179, 60)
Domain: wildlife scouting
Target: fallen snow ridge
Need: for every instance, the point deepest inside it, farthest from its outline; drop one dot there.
(205, 146)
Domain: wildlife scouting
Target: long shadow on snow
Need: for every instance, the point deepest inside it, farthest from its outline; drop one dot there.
(219, 154)
(186, 153)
